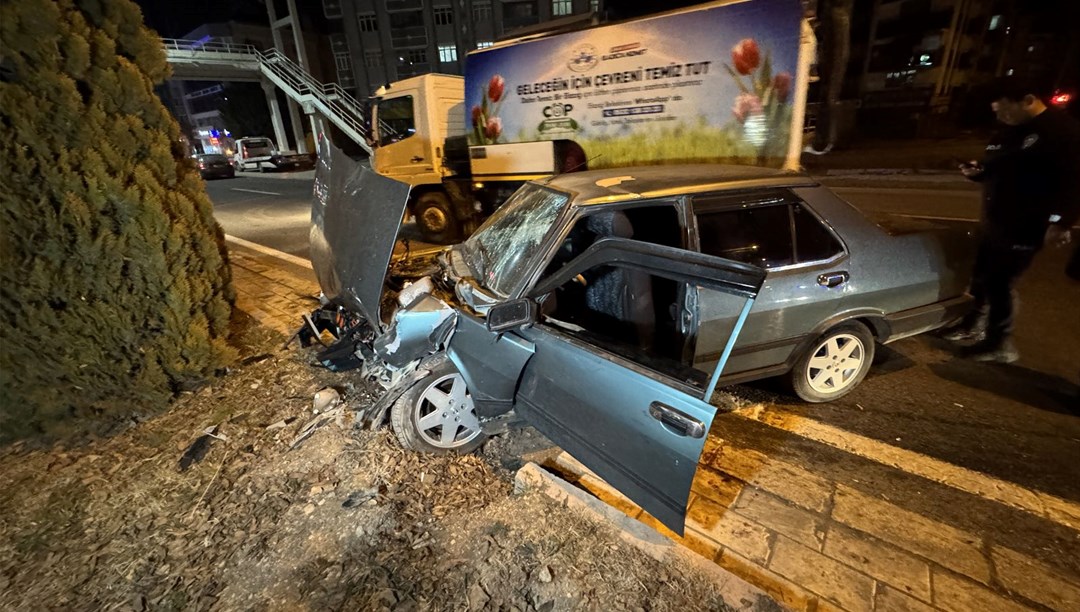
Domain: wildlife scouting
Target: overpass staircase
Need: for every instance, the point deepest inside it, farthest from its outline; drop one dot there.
(227, 61)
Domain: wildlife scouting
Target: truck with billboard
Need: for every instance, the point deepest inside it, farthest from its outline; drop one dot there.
(719, 82)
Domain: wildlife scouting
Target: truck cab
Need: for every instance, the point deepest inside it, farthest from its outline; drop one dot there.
(419, 138)
(411, 121)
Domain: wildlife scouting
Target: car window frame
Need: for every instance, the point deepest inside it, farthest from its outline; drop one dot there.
(694, 258)
(825, 225)
(789, 197)
(575, 213)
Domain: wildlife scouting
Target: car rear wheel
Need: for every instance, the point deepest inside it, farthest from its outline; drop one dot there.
(437, 415)
(835, 363)
(436, 219)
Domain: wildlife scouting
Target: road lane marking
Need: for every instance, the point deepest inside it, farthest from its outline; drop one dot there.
(1056, 509)
(901, 191)
(933, 218)
(265, 250)
(957, 219)
(255, 191)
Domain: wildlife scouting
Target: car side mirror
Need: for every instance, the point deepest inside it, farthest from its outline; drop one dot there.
(511, 315)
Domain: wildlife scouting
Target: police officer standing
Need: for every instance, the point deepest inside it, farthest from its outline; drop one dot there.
(1031, 196)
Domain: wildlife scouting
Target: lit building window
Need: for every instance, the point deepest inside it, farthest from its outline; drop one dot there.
(594, 5)
(368, 23)
(484, 44)
(444, 16)
(995, 21)
(561, 7)
(447, 53)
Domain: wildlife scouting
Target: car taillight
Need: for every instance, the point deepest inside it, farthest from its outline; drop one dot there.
(202, 165)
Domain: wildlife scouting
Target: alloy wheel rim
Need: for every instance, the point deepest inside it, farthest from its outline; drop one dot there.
(835, 364)
(444, 413)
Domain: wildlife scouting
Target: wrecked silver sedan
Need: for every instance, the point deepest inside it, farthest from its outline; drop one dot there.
(605, 307)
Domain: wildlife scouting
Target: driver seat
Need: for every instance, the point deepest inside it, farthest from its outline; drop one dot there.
(621, 295)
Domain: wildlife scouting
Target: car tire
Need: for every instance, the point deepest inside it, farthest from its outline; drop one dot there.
(435, 404)
(834, 364)
(435, 218)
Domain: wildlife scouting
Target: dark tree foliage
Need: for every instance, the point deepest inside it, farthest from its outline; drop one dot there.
(115, 290)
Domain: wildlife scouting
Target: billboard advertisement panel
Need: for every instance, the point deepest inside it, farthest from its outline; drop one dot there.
(703, 85)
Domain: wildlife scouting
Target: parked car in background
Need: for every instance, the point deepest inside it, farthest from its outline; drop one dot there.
(213, 165)
(604, 307)
(262, 154)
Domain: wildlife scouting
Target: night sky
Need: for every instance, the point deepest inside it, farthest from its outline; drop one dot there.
(174, 18)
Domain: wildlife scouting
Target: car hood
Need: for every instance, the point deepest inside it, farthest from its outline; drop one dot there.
(355, 216)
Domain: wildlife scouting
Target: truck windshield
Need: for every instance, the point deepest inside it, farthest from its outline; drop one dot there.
(396, 120)
(499, 252)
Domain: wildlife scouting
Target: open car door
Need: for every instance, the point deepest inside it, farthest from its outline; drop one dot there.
(637, 428)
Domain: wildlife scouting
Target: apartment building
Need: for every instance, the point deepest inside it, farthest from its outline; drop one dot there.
(382, 41)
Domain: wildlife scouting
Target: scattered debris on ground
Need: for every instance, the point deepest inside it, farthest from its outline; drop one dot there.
(242, 496)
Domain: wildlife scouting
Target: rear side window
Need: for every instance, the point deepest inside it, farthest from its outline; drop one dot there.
(813, 241)
(257, 144)
(759, 235)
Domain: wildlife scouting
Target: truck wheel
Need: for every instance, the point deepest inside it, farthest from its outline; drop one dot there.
(436, 219)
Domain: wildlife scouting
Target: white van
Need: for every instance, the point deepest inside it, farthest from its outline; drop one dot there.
(260, 153)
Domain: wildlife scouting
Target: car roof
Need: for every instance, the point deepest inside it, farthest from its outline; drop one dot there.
(622, 184)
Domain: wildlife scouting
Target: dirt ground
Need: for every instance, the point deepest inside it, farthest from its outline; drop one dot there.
(346, 520)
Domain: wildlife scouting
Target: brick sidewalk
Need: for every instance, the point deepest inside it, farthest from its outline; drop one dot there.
(817, 544)
(273, 296)
(811, 541)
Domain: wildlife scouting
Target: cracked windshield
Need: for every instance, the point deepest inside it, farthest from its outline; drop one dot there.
(499, 251)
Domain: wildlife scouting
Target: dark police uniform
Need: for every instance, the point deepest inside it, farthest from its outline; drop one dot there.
(1031, 178)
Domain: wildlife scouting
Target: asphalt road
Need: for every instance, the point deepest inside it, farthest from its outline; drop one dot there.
(1019, 423)
(274, 212)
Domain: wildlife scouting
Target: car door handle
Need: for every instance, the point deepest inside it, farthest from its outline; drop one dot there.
(676, 421)
(832, 279)
(416, 159)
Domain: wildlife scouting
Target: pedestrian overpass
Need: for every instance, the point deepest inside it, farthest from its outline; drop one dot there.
(220, 61)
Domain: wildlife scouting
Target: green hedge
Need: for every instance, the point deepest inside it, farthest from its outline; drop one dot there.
(115, 289)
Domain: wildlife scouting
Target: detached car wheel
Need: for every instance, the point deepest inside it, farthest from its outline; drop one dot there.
(835, 363)
(436, 415)
(436, 219)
